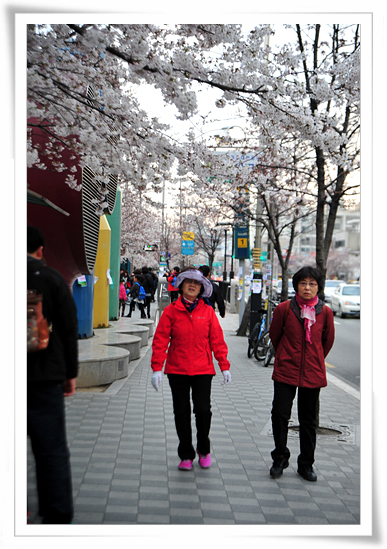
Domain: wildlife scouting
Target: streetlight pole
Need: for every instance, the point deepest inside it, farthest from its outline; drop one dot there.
(225, 256)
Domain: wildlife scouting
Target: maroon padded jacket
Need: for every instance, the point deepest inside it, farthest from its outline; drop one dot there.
(297, 362)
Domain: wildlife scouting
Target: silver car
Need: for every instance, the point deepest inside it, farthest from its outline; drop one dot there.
(345, 300)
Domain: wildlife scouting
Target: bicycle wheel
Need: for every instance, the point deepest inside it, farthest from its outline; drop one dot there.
(269, 355)
(253, 338)
(262, 346)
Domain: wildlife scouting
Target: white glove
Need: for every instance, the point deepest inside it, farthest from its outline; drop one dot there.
(226, 377)
(157, 380)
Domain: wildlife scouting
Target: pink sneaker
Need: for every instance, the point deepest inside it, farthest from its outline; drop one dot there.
(204, 461)
(185, 465)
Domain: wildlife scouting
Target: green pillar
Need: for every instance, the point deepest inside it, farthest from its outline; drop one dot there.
(115, 253)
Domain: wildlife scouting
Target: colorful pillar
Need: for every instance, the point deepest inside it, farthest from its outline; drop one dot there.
(115, 252)
(83, 292)
(101, 286)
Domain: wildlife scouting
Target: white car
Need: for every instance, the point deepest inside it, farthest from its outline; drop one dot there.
(291, 290)
(330, 286)
(345, 300)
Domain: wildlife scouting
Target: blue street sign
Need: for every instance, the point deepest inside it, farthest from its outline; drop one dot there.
(242, 242)
(187, 247)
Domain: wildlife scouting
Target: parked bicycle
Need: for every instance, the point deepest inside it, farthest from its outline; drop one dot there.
(255, 335)
(264, 350)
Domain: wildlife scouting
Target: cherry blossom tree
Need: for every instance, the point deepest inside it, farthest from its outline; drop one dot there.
(81, 81)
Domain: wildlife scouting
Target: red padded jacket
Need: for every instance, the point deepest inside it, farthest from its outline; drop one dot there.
(187, 340)
(297, 362)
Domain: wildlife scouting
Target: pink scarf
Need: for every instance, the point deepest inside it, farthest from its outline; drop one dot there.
(308, 313)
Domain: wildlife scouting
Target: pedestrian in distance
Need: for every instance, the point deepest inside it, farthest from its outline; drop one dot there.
(302, 332)
(135, 295)
(51, 376)
(216, 296)
(173, 291)
(155, 282)
(187, 334)
(149, 289)
(122, 297)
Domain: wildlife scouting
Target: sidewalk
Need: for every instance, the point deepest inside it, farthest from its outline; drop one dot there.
(124, 459)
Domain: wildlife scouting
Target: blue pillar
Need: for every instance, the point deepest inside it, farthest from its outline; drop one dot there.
(84, 299)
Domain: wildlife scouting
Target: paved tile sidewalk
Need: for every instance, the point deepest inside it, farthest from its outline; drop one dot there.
(124, 455)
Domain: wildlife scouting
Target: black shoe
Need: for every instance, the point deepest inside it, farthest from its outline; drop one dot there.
(279, 464)
(128, 316)
(306, 472)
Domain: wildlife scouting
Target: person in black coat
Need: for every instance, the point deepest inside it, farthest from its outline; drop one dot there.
(149, 288)
(216, 296)
(51, 375)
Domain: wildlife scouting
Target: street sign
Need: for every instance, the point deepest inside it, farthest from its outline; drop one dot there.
(187, 247)
(188, 243)
(241, 243)
(188, 235)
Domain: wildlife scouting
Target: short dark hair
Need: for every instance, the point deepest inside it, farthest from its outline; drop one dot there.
(205, 270)
(309, 272)
(177, 269)
(35, 239)
(144, 270)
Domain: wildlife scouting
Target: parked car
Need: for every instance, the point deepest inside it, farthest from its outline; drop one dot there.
(330, 286)
(291, 290)
(345, 300)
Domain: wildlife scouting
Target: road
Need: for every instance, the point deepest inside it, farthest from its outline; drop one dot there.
(344, 357)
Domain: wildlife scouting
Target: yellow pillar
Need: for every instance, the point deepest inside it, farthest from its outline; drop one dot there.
(101, 287)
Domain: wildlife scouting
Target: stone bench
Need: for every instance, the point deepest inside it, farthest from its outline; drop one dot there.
(117, 339)
(100, 364)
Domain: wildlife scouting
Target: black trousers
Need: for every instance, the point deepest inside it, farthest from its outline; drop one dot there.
(181, 386)
(308, 402)
(148, 300)
(47, 431)
(140, 305)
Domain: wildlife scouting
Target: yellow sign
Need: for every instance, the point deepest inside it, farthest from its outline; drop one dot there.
(188, 235)
(242, 242)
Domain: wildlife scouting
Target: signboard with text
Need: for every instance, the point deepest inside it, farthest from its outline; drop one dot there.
(188, 243)
(242, 243)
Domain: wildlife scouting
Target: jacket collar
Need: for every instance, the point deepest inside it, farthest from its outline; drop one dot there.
(178, 303)
(296, 308)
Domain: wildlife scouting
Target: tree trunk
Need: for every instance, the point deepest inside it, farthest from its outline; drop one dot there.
(321, 257)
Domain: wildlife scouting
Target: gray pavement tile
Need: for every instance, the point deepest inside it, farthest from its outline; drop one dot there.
(87, 518)
(153, 519)
(311, 520)
(120, 519)
(249, 518)
(180, 519)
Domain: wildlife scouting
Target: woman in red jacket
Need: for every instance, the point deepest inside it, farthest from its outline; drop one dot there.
(172, 288)
(186, 336)
(302, 332)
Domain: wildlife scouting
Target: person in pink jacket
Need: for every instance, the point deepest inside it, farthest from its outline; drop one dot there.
(122, 297)
(186, 336)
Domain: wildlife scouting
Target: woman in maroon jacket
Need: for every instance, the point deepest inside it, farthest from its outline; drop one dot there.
(302, 332)
(186, 336)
